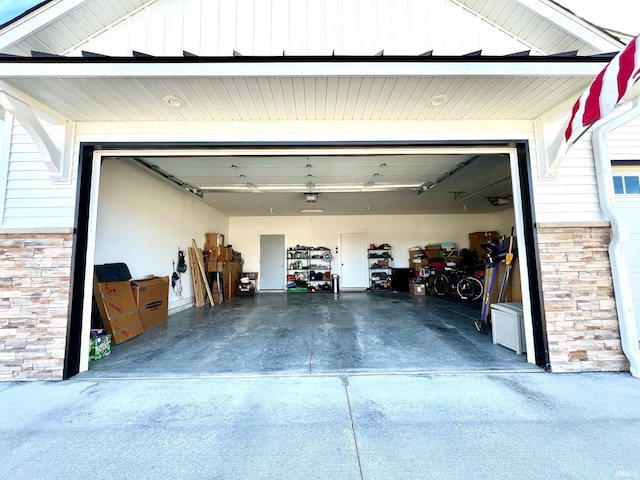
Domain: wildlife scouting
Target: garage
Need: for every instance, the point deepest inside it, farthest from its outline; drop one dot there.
(374, 134)
(398, 196)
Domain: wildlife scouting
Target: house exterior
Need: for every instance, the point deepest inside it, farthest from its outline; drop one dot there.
(82, 81)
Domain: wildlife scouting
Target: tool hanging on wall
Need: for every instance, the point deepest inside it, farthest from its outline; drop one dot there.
(176, 278)
(182, 263)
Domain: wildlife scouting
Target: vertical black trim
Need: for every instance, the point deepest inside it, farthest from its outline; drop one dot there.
(78, 263)
(533, 266)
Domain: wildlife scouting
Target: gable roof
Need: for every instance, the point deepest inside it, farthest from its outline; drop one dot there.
(57, 26)
(132, 86)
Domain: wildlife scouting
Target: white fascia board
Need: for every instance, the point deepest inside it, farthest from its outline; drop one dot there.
(298, 69)
(572, 24)
(38, 19)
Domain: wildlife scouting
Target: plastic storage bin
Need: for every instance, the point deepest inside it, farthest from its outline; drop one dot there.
(507, 326)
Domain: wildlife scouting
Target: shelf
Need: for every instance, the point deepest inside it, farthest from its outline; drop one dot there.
(307, 260)
(380, 267)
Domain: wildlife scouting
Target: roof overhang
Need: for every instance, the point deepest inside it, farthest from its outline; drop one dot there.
(300, 88)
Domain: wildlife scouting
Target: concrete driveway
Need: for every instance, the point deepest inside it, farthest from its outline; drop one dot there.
(356, 426)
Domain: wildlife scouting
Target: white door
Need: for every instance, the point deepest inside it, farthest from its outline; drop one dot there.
(272, 259)
(626, 182)
(353, 261)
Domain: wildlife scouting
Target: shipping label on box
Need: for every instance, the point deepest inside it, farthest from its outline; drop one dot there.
(152, 300)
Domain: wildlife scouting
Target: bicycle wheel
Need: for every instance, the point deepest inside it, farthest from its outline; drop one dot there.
(469, 288)
(429, 284)
(441, 285)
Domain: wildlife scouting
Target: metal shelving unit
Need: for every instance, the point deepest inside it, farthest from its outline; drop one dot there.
(380, 267)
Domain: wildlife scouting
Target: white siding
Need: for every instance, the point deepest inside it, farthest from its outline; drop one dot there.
(32, 198)
(572, 196)
(301, 27)
(624, 142)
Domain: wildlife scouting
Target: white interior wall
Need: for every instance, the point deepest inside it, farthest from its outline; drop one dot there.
(143, 220)
(400, 231)
(503, 221)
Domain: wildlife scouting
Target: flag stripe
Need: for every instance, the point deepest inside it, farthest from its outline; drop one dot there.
(627, 66)
(605, 92)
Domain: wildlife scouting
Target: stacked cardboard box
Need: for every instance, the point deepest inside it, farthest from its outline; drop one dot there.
(433, 250)
(217, 256)
(212, 240)
(417, 259)
(118, 309)
(230, 273)
(478, 238)
(152, 300)
(247, 284)
(417, 289)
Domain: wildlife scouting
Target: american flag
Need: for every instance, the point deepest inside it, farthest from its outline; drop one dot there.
(605, 92)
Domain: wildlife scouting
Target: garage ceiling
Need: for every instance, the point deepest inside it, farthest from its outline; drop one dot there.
(275, 185)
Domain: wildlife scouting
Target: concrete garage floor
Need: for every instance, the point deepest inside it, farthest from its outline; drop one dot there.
(321, 333)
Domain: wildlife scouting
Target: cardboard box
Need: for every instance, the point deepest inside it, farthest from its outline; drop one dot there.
(126, 333)
(224, 254)
(152, 300)
(416, 253)
(417, 289)
(250, 275)
(478, 238)
(213, 240)
(118, 310)
(433, 251)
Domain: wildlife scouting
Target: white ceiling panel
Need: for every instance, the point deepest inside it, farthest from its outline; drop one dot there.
(465, 191)
(300, 98)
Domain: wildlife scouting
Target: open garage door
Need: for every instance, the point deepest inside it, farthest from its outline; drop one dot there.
(397, 195)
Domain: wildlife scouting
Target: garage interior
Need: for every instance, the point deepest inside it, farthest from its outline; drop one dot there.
(362, 329)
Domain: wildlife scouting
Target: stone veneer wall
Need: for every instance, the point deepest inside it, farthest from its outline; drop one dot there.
(580, 310)
(35, 268)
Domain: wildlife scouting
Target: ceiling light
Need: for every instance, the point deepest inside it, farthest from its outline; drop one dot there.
(497, 201)
(438, 100)
(174, 101)
(311, 197)
(316, 188)
(311, 210)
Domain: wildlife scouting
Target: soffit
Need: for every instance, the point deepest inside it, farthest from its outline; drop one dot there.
(72, 25)
(269, 97)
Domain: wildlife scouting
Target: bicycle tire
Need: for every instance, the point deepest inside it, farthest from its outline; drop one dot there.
(470, 288)
(429, 284)
(441, 285)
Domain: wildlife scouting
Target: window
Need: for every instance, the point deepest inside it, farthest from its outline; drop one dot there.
(626, 184)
